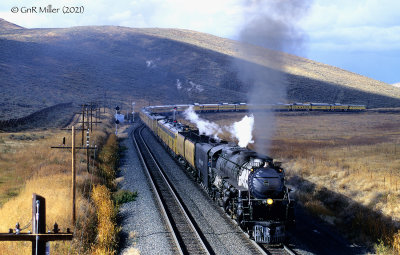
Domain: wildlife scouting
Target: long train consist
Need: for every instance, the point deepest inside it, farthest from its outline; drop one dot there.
(230, 107)
(249, 186)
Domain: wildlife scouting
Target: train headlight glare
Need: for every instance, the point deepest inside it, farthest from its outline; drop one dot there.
(270, 201)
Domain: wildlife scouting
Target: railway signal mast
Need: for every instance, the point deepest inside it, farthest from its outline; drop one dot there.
(116, 119)
(133, 111)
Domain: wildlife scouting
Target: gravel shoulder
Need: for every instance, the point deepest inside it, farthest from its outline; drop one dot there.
(142, 226)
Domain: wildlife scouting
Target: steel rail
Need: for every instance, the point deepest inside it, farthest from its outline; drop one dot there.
(189, 240)
(158, 198)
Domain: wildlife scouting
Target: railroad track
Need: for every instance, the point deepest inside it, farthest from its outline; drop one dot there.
(187, 237)
(278, 250)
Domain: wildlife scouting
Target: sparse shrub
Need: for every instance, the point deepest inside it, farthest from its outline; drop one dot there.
(124, 196)
(109, 159)
(317, 208)
(382, 249)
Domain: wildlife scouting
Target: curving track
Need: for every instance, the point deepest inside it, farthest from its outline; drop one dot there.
(186, 235)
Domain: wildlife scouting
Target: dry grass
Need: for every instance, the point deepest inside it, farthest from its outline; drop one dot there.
(29, 166)
(346, 168)
(106, 217)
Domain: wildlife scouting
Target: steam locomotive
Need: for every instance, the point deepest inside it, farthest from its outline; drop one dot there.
(250, 187)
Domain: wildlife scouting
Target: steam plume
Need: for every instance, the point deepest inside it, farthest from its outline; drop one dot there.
(271, 24)
(241, 130)
(205, 127)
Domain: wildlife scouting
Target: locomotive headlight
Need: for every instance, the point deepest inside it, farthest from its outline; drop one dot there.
(270, 201)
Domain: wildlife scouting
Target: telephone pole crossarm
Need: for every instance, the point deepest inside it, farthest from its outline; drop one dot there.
(32, 237)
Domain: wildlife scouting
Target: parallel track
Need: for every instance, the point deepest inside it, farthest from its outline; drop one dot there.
(186, 234)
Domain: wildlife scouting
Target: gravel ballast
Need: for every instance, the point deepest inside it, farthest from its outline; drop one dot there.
(142, 226)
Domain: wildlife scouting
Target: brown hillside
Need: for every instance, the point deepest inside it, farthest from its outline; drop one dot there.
(44, 67)
(5, 25)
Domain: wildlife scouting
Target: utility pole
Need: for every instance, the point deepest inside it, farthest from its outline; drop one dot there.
(39, 237)
(87, 151)
(133, 111)
(73, 164)
(91, 117)
(116, 119)
(83, 122)
(87, 117)
(73, 177)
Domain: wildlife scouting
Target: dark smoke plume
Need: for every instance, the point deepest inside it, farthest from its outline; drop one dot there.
(271, 24)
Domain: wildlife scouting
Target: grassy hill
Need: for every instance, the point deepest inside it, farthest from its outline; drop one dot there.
(43, 67)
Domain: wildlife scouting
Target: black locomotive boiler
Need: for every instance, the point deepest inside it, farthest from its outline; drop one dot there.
(249, 187)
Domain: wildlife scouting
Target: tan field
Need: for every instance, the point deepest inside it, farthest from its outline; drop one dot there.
(28, 165)
(345, 167)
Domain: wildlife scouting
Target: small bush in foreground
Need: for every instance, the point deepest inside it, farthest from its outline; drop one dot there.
(124, 196)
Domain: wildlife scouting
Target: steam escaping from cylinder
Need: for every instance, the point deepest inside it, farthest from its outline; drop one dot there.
(205, 127)
(243, 130)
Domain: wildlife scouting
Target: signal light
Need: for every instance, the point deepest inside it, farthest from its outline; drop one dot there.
(270, 201)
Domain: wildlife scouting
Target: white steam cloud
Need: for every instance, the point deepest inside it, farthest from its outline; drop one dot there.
(241, 130)
(205, 127)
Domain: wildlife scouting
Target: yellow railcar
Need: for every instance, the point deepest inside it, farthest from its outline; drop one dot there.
(209, 108)
(339, 107)
(241, 107)
(189, 152)
(154, 122)
(320, 107)
(225, 107)
(181, 107)
(180, 145)
(357, 107)
(167, 134)
(283, 107)
(197, 107)
(162, 108)
(301, 107)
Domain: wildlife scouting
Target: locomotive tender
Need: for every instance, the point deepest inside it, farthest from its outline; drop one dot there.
(250, 187)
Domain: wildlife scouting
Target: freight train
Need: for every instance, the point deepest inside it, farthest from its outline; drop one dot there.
(231, 107)
(250, 187)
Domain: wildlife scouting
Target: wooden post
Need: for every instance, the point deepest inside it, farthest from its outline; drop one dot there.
(87, 117)
(91, 118)
(38, 223)
(73, 176)
(83, 123)
(87, 151)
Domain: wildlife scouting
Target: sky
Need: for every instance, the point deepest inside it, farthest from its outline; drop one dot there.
(359, 36)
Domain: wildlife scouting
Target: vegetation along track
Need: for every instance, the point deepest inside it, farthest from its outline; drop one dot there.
(186, 233)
